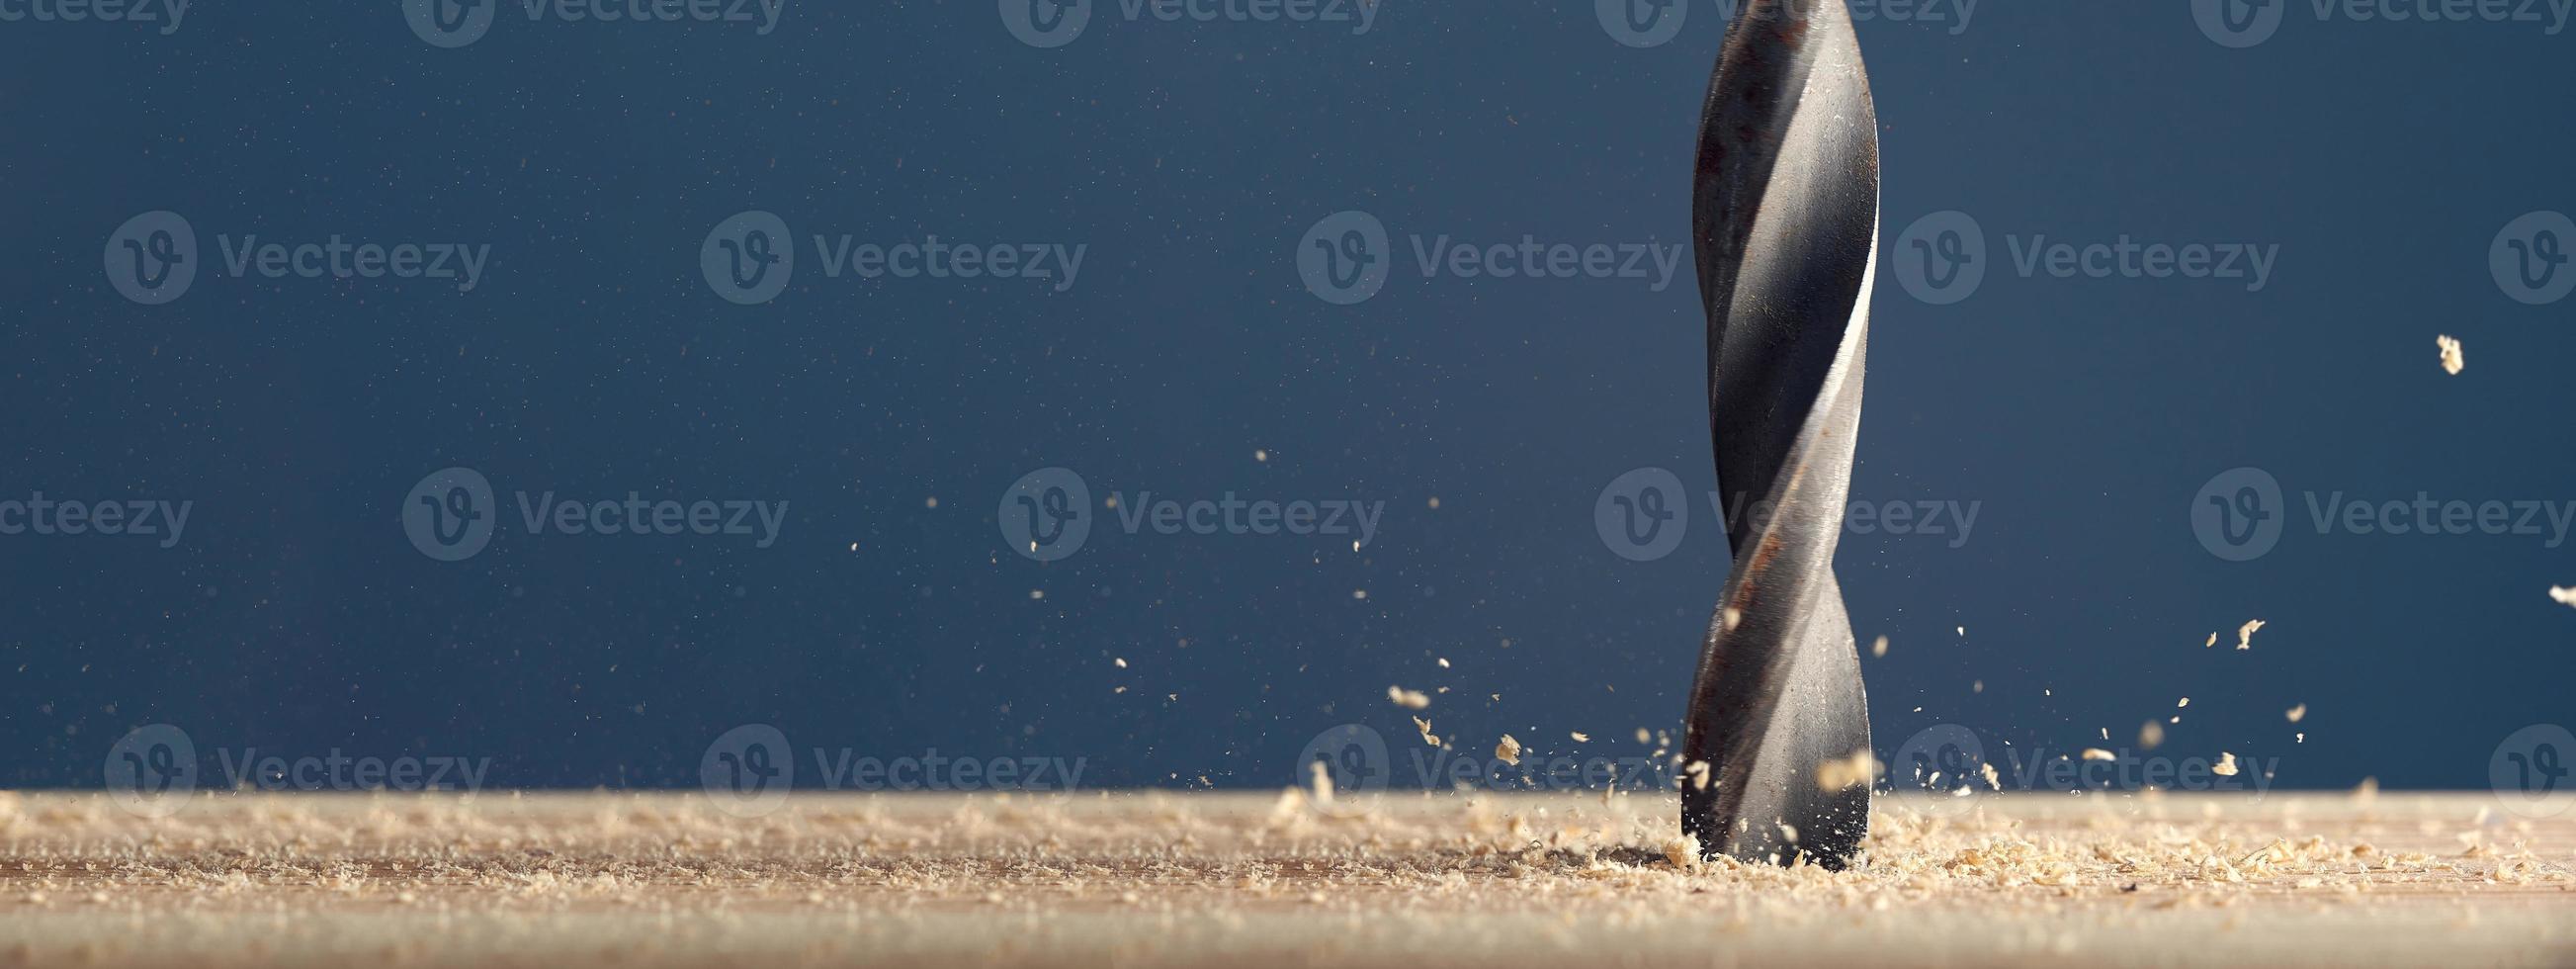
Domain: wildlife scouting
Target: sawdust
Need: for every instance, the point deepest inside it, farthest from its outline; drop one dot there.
(2452, 361)
(1164, 879)
(1508, 750)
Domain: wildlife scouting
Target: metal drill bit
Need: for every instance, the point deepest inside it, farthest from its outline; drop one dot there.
(1785, 211)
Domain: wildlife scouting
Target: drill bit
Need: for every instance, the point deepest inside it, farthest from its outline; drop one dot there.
(1785, 213)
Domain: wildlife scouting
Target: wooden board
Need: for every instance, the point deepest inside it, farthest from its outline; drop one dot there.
(502, 879)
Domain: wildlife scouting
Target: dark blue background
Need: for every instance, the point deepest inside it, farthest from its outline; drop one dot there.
(2082, 414)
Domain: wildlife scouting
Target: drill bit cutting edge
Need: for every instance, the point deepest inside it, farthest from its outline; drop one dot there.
(1785, 215)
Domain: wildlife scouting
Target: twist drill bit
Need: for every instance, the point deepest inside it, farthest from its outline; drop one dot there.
(1785, 211)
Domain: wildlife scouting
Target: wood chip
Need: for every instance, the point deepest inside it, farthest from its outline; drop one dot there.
(1847, 773)
(1425, 727)
(2245, 633)
(2298, 713)
(1408, 699)
(2226, 766)
(1508, 751)
(2451, 359)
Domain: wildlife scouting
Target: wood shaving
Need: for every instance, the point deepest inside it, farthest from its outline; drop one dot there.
(2451, 359)
(1858, 769)
(1425, 727)
(1408, 699)
(2298, 713)
(2226, 766)
(2245, 633)
(2564, 596)
(1580, 737)
(2097, 753)
(2213, 640)
(1508, 751)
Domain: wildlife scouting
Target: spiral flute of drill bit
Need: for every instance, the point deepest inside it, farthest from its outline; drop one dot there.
(1785, 212)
